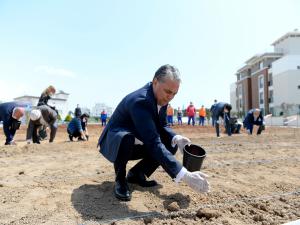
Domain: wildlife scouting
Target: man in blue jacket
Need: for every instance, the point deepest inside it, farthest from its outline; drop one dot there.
(77, 128)
(254, 117)
(222, 109)
(138, 130)
(11, 114)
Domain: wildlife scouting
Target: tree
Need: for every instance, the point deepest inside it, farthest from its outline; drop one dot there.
(68, 118)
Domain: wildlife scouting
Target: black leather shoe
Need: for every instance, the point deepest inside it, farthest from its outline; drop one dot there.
(122, 191)
(70, 137)
(140, 179)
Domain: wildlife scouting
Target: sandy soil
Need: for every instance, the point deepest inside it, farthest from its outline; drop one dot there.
(254, 180)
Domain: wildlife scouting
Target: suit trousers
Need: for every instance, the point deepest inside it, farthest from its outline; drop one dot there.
(129, 151)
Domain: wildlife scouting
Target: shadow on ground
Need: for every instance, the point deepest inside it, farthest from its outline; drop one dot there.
(98, 203)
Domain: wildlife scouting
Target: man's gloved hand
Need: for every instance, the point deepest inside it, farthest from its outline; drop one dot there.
(197, 181)
(180, 141)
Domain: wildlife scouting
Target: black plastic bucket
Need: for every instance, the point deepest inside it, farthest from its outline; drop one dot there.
(193, 157)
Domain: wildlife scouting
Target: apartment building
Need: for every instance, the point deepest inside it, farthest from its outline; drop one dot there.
(270, 81)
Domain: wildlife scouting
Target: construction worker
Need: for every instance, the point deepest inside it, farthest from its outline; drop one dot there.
(170, 114)
(202, 115)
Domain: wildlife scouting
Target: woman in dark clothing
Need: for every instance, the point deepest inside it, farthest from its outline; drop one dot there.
(45, 96)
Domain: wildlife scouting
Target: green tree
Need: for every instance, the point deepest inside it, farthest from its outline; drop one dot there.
(68, 118)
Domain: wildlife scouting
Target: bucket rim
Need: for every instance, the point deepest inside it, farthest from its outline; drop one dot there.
(198, 156)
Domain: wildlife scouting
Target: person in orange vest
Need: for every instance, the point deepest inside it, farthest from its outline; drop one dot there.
(170, 114)
(202, 115)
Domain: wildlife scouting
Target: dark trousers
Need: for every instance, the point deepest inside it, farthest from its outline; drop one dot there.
(193, 120)
(103, 121)
(235, 128)
(170, 120)
(75, 134)
(227, 127)
(179, 120)
(201, 120)
(213, 122)
(129, 151)
(259, 130)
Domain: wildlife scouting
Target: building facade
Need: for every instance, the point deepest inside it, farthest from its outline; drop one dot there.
(271, 81)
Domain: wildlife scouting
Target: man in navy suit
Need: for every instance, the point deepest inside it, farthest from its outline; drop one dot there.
(254, 117)
(11, 114)
(138, 130)
(221, 109)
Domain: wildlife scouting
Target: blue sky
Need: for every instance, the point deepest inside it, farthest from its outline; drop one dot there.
(99, 51)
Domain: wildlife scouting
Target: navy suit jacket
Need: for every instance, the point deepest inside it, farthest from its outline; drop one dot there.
(6, 110)
(218, 111)
(137, 114)
(249, 119)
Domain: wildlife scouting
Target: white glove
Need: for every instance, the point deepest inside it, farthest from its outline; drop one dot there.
(197, 181)
(180, 141)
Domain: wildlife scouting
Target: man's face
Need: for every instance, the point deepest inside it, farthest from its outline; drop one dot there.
(18, 114)
(164, 91)
(256, 114)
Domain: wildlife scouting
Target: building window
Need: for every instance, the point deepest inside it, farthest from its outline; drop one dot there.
(271, 97)
(261, 65)
(240, 90)
(261, 98)
(261, 82)
(270, 79)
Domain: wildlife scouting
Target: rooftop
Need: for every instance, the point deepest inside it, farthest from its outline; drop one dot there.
(294, 33)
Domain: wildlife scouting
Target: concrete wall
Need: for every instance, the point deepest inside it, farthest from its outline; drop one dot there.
(281, 121)
(286, 87)
(233, 97)
(288, 62)
(291, 45)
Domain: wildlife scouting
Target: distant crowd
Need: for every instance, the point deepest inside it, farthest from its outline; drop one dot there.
(44, 117)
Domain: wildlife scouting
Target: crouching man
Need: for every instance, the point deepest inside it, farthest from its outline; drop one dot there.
(11, 114)
(138, 130)
(41, 116)
(77, 128)
(254, 117)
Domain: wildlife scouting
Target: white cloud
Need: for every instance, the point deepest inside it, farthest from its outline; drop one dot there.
(54, 71)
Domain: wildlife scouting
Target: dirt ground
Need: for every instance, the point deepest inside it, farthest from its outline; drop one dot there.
(254, 180)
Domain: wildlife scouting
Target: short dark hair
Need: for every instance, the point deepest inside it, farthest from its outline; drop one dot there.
(167, 71)
(227, 106)
(85, 115)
